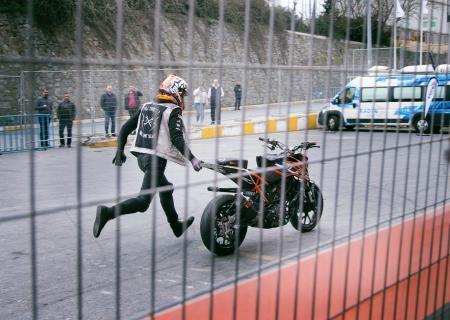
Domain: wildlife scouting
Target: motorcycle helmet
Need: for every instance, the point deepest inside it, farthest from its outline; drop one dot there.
(176, 87)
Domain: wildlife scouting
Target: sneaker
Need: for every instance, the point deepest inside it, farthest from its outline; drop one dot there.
(102, 217)
(180, 226)
(107, 135)
(69, 146)
(62, 146)
(114, 135)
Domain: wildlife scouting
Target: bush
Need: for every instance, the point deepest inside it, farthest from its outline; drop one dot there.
(53, 15)
(13, 7)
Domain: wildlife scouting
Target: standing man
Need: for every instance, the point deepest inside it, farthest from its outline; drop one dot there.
(132, 100)
(237, 96)
(66, 114)
(108, 102)
(215, 94)
(44, 110)
(200, 99)
(160, 137)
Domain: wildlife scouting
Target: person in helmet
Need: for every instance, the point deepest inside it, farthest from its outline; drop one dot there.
(159, 138)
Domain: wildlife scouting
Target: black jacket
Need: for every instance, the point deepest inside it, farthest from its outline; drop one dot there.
(108, 102)
(44, 105)
(66, 111)
(238, 91)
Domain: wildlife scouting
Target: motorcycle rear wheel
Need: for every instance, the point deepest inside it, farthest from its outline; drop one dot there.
(312, 212)
(217, 226)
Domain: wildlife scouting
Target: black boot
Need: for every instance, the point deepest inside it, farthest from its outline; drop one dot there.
(103, 215)
(180, 226)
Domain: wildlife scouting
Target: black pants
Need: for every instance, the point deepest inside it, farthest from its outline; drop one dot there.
(132, 112)
(142, 202)
(237, 104)
(215, 109)
(63, 124)
(44, 121)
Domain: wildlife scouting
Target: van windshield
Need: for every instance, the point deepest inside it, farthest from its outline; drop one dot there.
(347, 95)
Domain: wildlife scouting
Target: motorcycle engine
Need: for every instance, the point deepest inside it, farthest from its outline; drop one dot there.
(272, 211)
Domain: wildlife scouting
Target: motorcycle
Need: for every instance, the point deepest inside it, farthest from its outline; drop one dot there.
(278, 192)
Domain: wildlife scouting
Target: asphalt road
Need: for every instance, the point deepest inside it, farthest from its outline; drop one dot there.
(358, 191)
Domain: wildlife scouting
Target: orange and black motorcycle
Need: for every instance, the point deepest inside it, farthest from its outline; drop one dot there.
(278, 192)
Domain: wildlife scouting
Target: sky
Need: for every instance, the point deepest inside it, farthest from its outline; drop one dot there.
(304, 7)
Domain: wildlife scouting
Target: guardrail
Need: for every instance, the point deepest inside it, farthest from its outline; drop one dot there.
(26, 132)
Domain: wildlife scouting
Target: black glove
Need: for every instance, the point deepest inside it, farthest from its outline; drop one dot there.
(196, 164)
(119, 158)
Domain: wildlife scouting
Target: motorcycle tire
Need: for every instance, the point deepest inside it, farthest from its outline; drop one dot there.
(218, 211)
(297, 221)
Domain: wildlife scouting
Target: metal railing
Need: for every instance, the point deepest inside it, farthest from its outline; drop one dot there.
(26, 132)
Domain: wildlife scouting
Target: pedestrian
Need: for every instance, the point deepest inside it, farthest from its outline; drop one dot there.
(108, 102)
(66, 114)
(200, 99)
(215, 95)
(160, 137)
(237, 96)
(44, 110)
(132, 100)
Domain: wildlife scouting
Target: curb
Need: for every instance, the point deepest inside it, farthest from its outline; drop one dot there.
(389, 270)
(270, 125)
(251, 127)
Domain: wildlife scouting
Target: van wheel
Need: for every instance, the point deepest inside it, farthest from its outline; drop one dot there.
(421, 125)
(333, 123)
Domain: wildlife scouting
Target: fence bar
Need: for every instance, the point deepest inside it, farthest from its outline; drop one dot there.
(376, 194)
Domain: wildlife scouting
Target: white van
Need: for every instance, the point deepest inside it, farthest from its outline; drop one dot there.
(390, 100)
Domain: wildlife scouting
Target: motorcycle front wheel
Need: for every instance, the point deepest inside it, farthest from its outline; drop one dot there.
(217, 226)
(308, 219)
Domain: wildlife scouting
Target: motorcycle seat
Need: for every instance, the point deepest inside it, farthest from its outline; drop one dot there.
(271, 159)
(233, 162)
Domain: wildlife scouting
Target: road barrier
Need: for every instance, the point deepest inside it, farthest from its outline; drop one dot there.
(26, 132)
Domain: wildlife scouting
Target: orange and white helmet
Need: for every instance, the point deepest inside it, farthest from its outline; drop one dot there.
(174, 86)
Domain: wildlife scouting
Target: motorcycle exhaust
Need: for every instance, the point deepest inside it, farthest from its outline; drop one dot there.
(217, 189)
(248, 212)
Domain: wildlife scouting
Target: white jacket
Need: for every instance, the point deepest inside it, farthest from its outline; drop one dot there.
(153, 126)
(200, 96)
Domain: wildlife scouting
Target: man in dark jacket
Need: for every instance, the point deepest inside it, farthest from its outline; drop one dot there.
(66, 114)
(237, 95)
(159, 137)
(132, 100)
(44, 110)
(215, 95)
(108, 102)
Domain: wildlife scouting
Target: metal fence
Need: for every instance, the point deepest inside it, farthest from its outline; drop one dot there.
(359, 228)
(26, 132)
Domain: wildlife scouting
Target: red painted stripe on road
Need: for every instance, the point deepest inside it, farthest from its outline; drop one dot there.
(374, 250)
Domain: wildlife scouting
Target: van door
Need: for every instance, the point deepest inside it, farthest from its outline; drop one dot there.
(374, 105)
(348, 103)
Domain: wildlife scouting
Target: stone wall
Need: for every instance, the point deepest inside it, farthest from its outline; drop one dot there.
(263, 85)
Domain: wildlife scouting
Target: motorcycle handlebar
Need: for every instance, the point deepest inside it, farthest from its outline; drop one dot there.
(275, 143)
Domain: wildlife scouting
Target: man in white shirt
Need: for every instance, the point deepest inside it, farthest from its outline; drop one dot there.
(200, 99)
(215, 94)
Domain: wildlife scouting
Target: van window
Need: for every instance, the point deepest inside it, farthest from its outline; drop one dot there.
(407, 94)
(374, 94)
(440, 93)
(347, 95)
